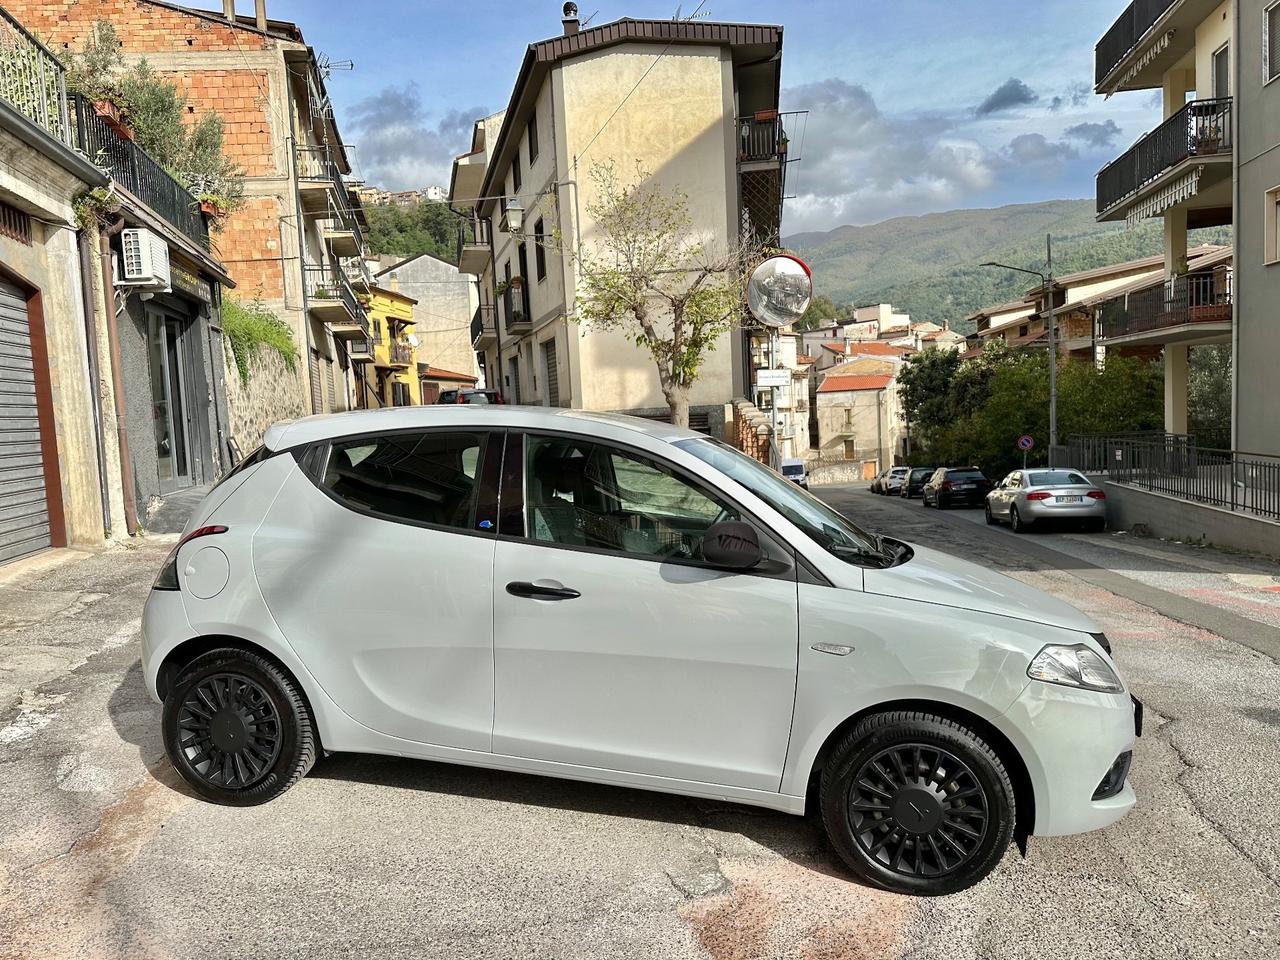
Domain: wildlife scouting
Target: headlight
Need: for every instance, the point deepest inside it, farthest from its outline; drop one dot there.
(1074, 666)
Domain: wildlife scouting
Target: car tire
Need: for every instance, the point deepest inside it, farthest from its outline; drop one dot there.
(917, 804)
(990, 517)
(1016, 523)
(237, 728)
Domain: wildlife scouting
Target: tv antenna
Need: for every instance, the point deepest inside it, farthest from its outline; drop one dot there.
(697, 14)
(327, 66)
(587, 22)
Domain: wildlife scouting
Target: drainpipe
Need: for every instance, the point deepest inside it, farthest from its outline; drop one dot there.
(95, 399)
(117, 375)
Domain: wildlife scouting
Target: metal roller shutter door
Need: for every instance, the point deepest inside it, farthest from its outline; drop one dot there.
(24, 511)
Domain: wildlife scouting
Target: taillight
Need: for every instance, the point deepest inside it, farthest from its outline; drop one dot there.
(946, 484)
(1039, 495)
(1096, 495)
(167, 579)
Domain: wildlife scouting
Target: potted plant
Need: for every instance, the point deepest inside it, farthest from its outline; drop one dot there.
(1210, 140)
(212, 205)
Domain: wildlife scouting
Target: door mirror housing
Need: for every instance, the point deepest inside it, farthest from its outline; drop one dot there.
(732, 545)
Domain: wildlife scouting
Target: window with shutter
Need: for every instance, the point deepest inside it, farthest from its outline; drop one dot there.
(1271, 41)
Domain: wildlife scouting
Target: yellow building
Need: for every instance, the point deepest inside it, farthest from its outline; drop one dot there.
(395, 373)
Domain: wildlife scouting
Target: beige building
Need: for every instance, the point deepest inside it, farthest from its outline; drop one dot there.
(702, 117)
(1182, 171)
(857, 414)
(447, 305)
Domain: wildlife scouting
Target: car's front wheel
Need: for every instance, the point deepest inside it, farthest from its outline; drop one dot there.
(237, 728)
(916, 803)
(991, 517)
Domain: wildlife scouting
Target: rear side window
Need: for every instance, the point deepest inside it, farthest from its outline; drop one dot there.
(428, 478)
(252, 460)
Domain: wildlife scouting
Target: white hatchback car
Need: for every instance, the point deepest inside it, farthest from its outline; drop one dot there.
(608, 599)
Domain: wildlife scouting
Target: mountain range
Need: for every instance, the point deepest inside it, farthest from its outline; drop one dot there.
(928, 266)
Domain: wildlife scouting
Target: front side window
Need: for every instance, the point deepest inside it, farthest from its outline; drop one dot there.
(584, 494)
(428, 478)
(833, 532)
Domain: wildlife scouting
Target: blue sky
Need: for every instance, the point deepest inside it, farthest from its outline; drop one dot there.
(915, 105)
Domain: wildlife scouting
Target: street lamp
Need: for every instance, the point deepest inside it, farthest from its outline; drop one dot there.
(1046, 280)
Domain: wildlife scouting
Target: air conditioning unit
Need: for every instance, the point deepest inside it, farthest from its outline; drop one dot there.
(145, 260)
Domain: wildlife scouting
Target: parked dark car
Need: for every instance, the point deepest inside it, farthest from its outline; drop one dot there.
(956, 487)
(914, 482)
(470, 396)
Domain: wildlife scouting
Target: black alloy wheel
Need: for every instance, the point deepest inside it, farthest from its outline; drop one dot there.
(917, 803)
(918, 810)
(229, 731)
(237, 728)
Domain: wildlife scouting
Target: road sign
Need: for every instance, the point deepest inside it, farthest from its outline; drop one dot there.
(1025, 443)
(772, 378)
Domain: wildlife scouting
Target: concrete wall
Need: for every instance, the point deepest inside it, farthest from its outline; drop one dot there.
(1211, 34)
(51, 263)
(273, 393)
(442, 316)
(1257, 280)
(1176, 519)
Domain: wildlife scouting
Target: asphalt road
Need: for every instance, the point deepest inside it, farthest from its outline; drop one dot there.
(103, 854)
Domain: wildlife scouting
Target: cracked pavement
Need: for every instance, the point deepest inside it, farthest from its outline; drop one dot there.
(103, 854)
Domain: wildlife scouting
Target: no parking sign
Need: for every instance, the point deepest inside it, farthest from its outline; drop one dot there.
(1025, 443)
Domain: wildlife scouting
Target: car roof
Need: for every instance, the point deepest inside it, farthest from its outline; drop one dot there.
(293, 433)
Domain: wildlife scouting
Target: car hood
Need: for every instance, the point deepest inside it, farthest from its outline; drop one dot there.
(931, 576)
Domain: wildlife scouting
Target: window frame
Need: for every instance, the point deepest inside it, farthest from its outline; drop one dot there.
(1224, 50)
(1267, 41)
(516, 182)
(531, 136)
(539, 249)
(781, 560)
(1271, 224)
(314, 461)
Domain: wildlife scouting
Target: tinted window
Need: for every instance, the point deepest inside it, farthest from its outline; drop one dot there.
(964, 475)
(420, 477)
(584, 494)
(1053, 478)
(478, 397)
(921, 473)
(793, 469)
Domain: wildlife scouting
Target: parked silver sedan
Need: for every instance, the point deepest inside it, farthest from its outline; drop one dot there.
(1026, 497)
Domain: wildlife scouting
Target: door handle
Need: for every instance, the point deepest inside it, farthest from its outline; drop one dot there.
(545, 590)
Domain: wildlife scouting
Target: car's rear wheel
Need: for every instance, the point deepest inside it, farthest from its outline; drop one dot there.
(1016, 523)
(917, 804)
(237, 728)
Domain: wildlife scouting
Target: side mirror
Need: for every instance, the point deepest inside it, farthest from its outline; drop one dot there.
(732, 545)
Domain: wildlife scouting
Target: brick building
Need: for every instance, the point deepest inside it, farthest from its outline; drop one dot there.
(297, 242)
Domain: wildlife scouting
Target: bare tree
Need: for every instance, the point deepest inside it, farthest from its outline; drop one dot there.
(652, 277)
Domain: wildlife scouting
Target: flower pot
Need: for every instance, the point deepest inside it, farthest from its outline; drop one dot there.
(107, 110)
(210, 209)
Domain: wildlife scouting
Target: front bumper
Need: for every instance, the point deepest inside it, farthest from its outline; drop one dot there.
(1069, 740)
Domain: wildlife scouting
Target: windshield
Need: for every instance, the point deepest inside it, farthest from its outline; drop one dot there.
(1055, 478)
(792, 469)
(831, 531)
(919, 473)
(475, 398)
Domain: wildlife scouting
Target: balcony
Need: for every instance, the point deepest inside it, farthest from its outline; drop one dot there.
(399, 355)
(341, 230)
(473, 253)
(319, 182)
(1195, 307)
(360, 350)
(1198, 134)
(762, 137)
(332, 301)
(484, 327)
(32, 80)
(1146, 41)
(132, 167)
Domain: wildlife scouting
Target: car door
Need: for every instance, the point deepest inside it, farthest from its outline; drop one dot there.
(376, 562)
(615, 646)
(1010, 492)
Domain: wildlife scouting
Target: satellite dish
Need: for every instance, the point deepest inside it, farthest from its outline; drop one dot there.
(413, 341)
(779, 290)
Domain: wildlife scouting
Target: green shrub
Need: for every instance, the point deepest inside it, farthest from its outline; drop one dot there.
(248, 327)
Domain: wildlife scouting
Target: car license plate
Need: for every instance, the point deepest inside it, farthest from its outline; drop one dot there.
(964, 486)
(1069, 499)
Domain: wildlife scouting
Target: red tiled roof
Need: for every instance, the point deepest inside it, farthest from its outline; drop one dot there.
(428, 372)
(871, 348)
(848, 383)
(806, 359)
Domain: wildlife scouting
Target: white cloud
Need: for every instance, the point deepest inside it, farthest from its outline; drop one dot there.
(397, 148)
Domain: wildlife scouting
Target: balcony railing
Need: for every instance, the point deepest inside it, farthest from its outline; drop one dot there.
(483, 323)
(316, 163)
(135, 170)
(1193, 298)
(1139, 17)
(328, 284)
(343, 218)
(32, 80)
(1202, 128)
(763, 136)
(400, 353)
(472, 233)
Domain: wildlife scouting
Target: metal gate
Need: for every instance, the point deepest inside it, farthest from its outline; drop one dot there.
(553, 372)
(24, 510)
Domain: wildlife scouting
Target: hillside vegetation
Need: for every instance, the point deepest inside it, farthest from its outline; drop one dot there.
(928, 266)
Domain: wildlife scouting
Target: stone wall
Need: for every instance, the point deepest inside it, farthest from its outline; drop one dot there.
(274, 392)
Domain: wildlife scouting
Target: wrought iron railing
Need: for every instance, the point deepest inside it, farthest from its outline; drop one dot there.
(32, 80)
(1176, 467)
(1129, 28)
(471, 232)
(342, 218)
(327, 283)
(135, 170)
(1202, 128)
(1192, 298)
(483, 321)
(1093, 452)
(400, 352)
(316, 163)
(763, 136)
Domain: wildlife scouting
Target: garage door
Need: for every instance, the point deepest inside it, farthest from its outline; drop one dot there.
(24, 513)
